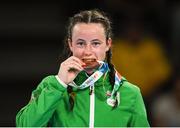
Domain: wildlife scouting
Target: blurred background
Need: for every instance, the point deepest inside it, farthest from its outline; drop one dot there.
(146, 50)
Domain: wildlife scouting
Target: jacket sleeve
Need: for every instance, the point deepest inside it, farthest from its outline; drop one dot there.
(139, 116)
(42, 104)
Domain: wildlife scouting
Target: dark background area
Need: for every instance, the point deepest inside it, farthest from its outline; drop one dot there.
(31, 36)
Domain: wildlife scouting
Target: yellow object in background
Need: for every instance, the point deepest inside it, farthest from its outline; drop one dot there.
(143, 63)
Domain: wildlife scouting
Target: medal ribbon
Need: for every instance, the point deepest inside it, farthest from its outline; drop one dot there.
(96, 75)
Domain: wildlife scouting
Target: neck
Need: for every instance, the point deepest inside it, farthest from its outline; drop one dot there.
(89, 71)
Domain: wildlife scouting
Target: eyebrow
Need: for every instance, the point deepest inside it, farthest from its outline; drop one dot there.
(80, 40)
(90, 41)
(96, 40)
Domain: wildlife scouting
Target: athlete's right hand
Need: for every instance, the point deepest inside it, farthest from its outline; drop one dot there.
(69, 69)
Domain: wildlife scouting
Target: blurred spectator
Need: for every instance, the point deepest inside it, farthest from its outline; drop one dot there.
(141, 58)
(166, 108)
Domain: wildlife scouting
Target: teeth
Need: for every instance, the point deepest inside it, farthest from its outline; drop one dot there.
(89, 60)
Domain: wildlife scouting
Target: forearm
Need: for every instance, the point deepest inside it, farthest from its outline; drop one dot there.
(42, 105)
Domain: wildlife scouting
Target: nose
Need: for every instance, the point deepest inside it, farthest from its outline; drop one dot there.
(88, 50)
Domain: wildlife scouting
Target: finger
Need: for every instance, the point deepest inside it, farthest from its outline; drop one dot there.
(74, 66)
(77, 60)
(72, 62)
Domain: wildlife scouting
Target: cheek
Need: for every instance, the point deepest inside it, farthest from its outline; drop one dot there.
(101, 54)
(77, 53)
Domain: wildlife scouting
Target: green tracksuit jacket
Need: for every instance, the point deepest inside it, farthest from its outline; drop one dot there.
(49, 106)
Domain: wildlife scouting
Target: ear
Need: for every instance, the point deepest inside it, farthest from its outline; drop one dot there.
(108, 44)
(70, 44)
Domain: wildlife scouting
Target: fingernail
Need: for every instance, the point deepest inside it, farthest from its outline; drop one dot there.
(83, 65)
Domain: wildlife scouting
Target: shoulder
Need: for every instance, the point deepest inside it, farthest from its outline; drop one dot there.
(129, 88)
(131, 96)
(47, 80)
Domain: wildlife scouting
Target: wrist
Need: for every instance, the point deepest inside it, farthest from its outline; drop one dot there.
(61, 82)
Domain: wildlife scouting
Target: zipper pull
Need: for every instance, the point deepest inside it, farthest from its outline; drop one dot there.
(91, 89)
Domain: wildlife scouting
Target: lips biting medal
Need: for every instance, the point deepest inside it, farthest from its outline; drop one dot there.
(90, 63)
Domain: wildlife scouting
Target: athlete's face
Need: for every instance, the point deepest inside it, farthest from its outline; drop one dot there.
(89, 41)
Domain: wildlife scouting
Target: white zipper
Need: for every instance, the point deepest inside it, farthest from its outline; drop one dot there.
(92, 104)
